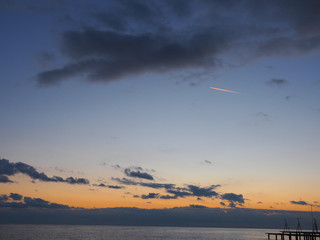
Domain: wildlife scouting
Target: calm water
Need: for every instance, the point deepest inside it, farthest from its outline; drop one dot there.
(53, 232)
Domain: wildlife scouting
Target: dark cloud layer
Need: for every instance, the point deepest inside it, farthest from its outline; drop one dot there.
(8, 168)
(193, 216)
(132, 37)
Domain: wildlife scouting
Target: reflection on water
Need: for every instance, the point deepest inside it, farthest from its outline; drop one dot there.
(54, 232)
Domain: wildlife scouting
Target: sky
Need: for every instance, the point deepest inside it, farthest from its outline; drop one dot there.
(160, 105)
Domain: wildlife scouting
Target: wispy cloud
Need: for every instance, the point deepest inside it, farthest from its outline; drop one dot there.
(277, 82)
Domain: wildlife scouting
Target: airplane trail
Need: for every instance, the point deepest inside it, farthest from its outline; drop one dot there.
(224, 90)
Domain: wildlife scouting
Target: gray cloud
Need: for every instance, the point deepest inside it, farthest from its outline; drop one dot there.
(8, 168)
(277, 82)
(133, 37)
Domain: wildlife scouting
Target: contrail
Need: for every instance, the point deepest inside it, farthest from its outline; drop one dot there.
(224, 90)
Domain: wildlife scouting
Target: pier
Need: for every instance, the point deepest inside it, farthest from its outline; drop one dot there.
(294, 235)
(298, 234)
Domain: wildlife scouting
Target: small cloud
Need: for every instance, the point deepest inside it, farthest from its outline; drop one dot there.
(150, 195)
(5, 179)
(108, 186)
(233, 199)
(15, 196)
(300, 203)
(136, 172)
(117, 166)
(277, 82)
(263, 116)
(222, 204)
(197, 206)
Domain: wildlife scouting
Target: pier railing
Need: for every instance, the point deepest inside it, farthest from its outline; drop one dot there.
(294, 235)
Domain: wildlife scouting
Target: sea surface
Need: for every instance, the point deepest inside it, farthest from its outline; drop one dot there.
(86, 232)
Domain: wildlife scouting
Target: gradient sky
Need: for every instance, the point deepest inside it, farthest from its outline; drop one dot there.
(115, 98)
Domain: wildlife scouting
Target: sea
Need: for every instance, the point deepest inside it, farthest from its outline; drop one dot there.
(88, 232)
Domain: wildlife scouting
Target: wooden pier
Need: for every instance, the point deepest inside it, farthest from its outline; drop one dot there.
(294, 235)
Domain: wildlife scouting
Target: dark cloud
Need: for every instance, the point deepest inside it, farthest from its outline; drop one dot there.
(168, 197)
(108, 186)
(277, 82)
(207, 161)
(137, 173)
(126, 181)
(197, 206)
(150, 195)
(233, 199)
(299, 203)
(8, 168)
(174, 191)
(179, 192)
(15, 196)
(5, 179)
(222, 204)
(107, 56)
(27, 202)
(203, 192)
(132, 37)
(3, 197)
